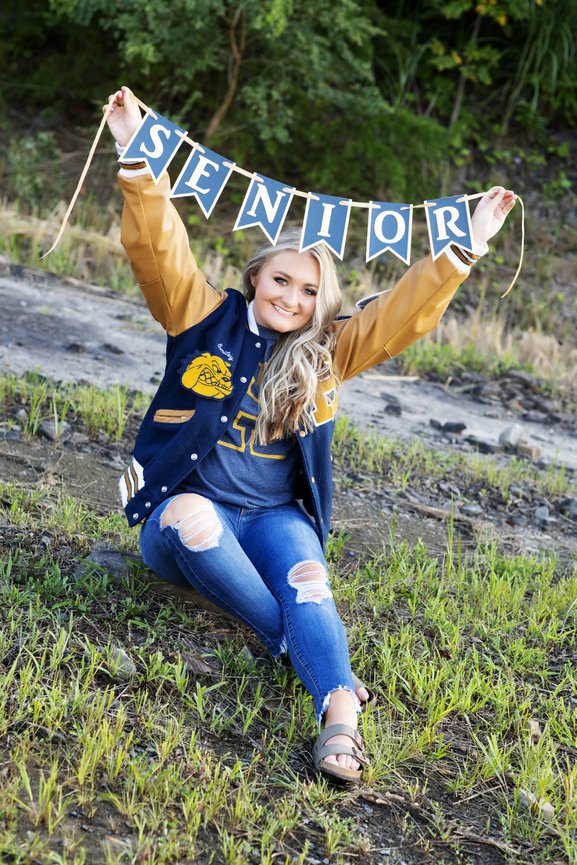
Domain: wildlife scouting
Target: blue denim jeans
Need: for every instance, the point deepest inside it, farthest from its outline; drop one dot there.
(251, 569)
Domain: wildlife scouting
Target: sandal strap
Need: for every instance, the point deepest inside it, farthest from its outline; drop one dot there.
(322, 750)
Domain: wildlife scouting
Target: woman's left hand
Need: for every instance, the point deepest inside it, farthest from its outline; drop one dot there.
(491, 212)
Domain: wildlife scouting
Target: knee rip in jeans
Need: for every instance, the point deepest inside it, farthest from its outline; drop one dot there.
(199, 529)
(310, 581)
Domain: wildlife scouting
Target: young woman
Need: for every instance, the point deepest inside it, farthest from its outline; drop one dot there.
(231, 470)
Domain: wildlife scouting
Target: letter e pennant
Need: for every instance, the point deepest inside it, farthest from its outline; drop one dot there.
(204, 176)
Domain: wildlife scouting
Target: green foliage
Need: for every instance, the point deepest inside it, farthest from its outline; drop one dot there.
(295, 89)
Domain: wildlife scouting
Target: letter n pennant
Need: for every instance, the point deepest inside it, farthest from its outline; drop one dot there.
(326, 221)
(389, 230)
(448, 221)
(204, 176)
(155, 141)
(265, 204)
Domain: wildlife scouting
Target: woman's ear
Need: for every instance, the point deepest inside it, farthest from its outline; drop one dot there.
(252, 279)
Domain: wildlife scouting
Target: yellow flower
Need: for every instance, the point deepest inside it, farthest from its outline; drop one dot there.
(502, 19)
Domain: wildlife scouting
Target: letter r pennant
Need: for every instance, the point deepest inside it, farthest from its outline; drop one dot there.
(448, 221)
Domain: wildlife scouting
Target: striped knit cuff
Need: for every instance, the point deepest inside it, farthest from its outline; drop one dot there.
(130, 169)
(464, 259)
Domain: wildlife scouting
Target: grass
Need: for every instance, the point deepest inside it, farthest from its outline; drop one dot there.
(104, 761)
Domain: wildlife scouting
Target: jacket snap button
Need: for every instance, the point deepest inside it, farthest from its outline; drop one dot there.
(194, 456)
(134, 516)
(224, 418)
(302, 433)
(257, 344)
(313, 480)
(243, 379)
(163, 489)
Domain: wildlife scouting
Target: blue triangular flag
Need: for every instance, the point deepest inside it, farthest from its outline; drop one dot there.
(155, 141)
(448, 221)
(389, 230)
(326, 221)
(204, 175)
(265, 204)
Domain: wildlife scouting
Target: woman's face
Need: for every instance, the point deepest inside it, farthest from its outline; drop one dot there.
(285, 291)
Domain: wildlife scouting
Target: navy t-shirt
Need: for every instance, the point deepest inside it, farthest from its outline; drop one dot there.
(241, 471)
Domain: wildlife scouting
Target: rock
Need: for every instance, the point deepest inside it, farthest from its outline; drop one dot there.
(483, 447)
(471, 510)
(454, 426)
(534, 728)
(56, 432)
(490, 391)
(121, 665)
(76, 348)
(525, 378)
(106, 558)
(541, 513)
(393, 408)
(532, 452)
(113, 349)
(512, 436)
(538, 807)
(569, 508)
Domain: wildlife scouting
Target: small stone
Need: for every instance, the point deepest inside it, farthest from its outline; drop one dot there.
(56, 432)
(394, 409)
(113, 349)
(542, 513)
(512, 436)
(121, 665)
(22, 415)
(106, 558)
(453, 426)
(471, 510)
(569, 508)
(532, 452)
(76, 348)
(534, 728)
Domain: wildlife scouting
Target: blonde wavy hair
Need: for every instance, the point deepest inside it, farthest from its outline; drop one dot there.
(300, 358)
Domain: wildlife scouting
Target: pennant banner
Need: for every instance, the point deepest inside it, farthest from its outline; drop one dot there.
(266, 202)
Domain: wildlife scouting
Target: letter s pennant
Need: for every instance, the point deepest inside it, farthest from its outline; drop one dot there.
(155, 142)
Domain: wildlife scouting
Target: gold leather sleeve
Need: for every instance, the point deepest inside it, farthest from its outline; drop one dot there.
(156, 242)
(398, 318)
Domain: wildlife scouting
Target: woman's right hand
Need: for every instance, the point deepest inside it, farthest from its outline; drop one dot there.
(124, 117)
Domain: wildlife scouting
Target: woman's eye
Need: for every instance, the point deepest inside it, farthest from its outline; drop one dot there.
(310, 291)
(281, 280)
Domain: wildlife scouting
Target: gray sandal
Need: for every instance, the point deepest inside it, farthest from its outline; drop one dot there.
(321, 750)
(371, 699)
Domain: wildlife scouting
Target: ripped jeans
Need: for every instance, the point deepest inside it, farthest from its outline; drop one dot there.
(266, 567)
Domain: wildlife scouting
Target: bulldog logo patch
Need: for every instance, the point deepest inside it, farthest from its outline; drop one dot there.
(207, 375)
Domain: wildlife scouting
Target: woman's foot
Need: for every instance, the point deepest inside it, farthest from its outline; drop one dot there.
(342, 710)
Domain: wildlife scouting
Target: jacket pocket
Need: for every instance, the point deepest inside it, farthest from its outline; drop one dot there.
(173, 415)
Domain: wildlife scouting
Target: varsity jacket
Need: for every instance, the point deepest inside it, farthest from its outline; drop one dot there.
(213, 355)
